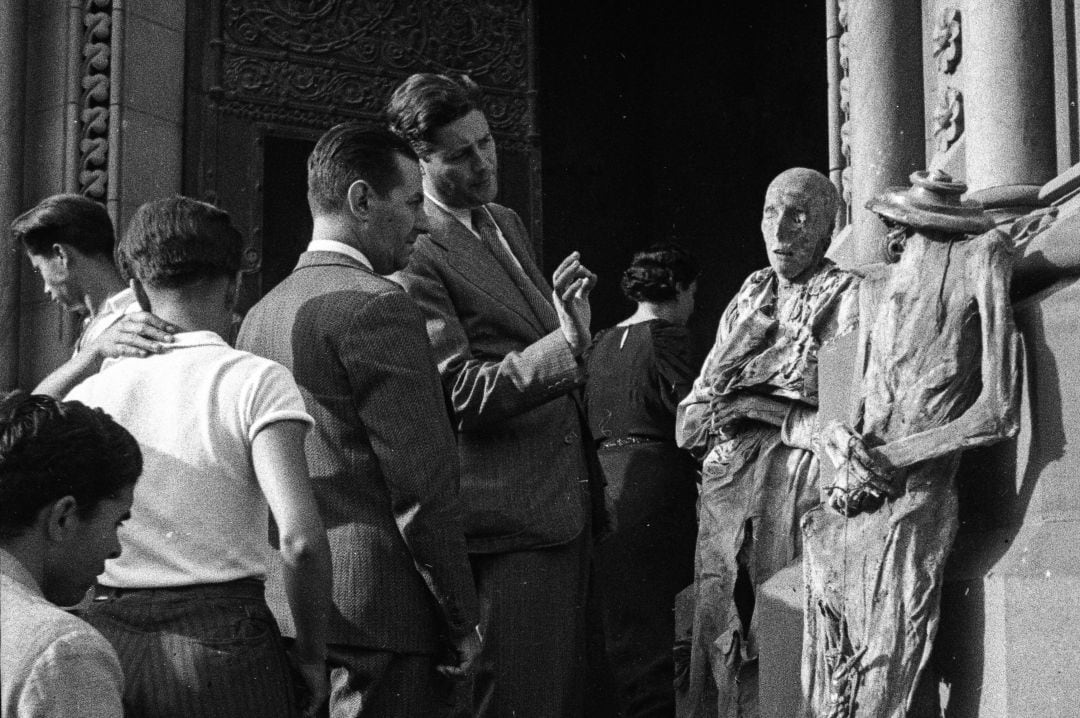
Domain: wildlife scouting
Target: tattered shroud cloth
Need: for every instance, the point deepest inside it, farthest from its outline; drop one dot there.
(750, 472)
(770, 349)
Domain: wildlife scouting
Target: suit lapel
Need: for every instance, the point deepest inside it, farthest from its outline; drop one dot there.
(472, 260)
(537, 295)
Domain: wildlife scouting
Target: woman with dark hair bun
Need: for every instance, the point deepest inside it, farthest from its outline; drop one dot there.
(639, 370)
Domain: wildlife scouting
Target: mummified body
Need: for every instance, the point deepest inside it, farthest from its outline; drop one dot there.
(749, 417)
(939, 352)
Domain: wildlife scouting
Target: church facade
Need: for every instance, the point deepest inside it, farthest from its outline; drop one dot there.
(130, 100)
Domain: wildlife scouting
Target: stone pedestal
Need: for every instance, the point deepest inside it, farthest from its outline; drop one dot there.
(1031, 636)
(887, 142)
(780, 613)
(1009, 93)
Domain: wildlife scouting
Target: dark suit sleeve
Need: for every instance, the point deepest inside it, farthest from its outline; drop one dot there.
(487, 389)
(400, 404)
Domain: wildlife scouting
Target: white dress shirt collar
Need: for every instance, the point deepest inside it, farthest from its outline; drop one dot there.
(461, 215)
(330, 245)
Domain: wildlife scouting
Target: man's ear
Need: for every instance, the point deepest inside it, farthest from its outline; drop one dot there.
(359, 198)
(64, 253)
(60, 517)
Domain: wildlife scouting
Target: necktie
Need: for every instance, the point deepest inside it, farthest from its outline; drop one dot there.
(489, 235)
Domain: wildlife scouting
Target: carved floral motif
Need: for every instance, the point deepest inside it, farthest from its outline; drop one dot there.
(94, 100)
(345, 56)
(948, 118)
(946, 40)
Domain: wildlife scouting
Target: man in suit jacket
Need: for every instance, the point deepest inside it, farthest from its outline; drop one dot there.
(510, 357)
(381, 455)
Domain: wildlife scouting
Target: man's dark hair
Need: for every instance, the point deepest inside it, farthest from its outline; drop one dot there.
(50, 449)
(657, 273)
(349, 152)
(425, 102)
(176, 241)
(69, 219)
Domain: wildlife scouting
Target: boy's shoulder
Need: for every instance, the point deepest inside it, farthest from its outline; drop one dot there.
(32, 626)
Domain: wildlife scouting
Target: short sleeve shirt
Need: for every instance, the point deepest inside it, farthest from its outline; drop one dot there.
(199, 515)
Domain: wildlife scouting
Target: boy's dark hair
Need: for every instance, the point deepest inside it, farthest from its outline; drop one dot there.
(69, 219)
(425, 102)
(349, 152)
(657, 272)
(50, 449)
(176, 241)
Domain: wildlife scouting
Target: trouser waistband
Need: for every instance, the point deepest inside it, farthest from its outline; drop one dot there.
(240, 588)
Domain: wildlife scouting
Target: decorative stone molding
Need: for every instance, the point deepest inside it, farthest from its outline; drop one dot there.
(845, 101)
(319, 60)
(948, 118)
(94, 101)
(946, 40)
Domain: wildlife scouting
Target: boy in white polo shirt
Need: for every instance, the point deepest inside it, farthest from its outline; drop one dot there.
(222, 435)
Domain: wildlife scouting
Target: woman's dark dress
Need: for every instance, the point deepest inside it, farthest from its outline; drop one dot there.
(637, 375)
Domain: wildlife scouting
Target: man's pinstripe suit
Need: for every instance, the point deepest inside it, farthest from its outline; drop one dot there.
(381, 455)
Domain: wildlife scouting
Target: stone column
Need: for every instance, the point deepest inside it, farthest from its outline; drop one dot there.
(12, 87)
(1009, 93)
(887, 142)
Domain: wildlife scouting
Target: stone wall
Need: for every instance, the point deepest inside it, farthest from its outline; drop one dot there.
(102, 115)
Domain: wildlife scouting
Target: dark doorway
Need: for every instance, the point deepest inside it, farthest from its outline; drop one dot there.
(286, 221)
(286, 218)
(659, 122)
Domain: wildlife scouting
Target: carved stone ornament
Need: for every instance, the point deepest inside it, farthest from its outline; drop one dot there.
(94, 99)
(949, 118)
(946, 40)
(310, 61)
(844, 45)
(848, 180)
(844, 51)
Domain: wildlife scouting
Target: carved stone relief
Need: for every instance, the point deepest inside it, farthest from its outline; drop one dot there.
(946, 40)
(948, 117)
(285, 70)
(94, 99)
(310, 61)
(845, 102)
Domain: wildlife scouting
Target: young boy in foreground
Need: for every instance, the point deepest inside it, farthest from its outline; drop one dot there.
(66, 479)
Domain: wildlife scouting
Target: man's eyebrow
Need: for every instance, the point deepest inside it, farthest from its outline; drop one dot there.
(456, 148)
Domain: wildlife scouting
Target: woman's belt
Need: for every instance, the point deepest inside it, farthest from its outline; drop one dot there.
(614, 443)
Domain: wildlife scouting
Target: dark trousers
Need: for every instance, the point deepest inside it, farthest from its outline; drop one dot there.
(382, 684)
(532, 618)
(640, 567)
(210, 651)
